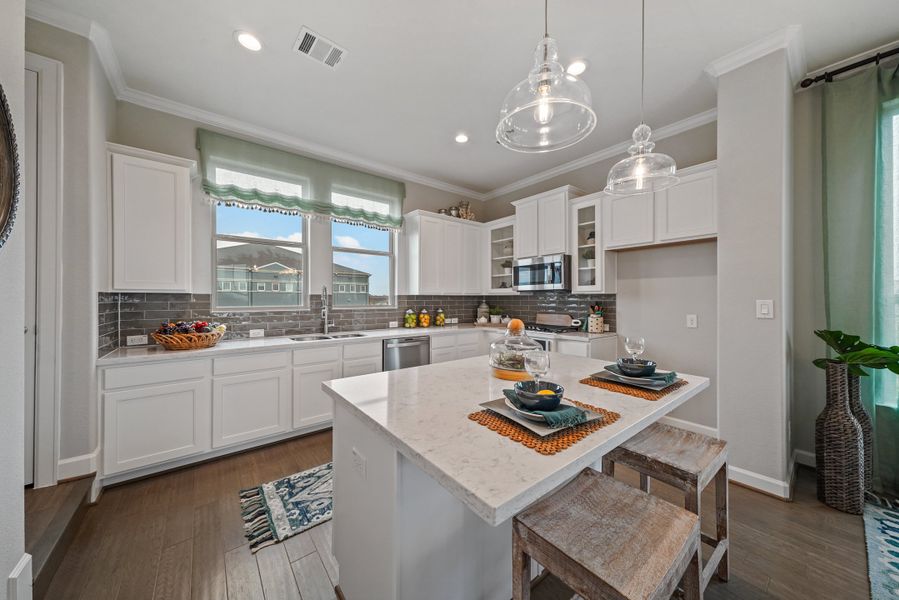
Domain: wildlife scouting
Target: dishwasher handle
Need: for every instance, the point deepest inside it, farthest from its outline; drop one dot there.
(405, 344)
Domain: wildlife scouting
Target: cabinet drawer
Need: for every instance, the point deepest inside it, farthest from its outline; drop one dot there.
(467, 339)
(468, 350)
(164, 372)
(443, 341)
(366, 350)
(313, 356)
(361, 366)
(250, 362)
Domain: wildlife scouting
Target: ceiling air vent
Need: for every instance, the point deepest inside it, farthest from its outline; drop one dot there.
(316, 47)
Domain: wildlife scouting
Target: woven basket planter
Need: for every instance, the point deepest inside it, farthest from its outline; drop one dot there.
(864, 420)
(839, 447)
(187, 341)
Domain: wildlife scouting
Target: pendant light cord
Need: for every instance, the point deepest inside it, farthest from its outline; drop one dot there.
(546, 18)
(642, 56)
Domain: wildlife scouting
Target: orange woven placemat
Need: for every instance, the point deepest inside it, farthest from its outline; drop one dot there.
(633, 391)
(552, 443)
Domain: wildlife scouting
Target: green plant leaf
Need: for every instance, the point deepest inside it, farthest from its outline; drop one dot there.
(821, 363)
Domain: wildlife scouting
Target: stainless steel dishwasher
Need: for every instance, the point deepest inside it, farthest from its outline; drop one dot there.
(400, 353)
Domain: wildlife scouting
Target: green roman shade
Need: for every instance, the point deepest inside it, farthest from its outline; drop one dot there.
(238, 172)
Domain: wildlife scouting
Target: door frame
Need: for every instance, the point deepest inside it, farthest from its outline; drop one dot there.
(47, 376)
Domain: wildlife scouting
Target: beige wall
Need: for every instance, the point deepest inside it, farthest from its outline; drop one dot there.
(688, 148)
(88, 121)
(12, 303)
(657, 289)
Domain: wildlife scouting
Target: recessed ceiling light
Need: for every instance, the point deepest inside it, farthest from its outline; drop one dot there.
(577, 67)
(461, 138)
(248, 41)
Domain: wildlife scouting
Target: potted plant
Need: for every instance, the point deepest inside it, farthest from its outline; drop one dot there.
(507, 267)
(496, 314)
(843, 431)
(590, 257)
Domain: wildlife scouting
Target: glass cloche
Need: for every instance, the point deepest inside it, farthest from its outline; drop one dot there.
(507, 353)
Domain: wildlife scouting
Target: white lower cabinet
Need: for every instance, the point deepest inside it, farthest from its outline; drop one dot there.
(362, 359)
(152, 424)
(250, 406)
(440, 355)
(311, 405)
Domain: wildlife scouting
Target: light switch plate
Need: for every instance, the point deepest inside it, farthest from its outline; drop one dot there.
(393, 324)
(692, 321)
(764, 309)
(257, 333)
(136, 340)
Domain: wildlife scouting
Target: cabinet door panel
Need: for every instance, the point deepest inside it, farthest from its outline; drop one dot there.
(361, 366)
(250, 406)
(451, 280)
(572, 348)
(439, 355)
(472, 244)
(311, 405)
(150, 196)
(468, 350)
(150, 425)
(687, 210)
(553, 225)
(628, 220)
(431, 255)
(527, 229)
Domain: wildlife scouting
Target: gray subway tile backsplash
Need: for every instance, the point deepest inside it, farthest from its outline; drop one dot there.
(124, 314)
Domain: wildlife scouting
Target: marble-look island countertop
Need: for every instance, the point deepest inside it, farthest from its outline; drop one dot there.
(423, 413)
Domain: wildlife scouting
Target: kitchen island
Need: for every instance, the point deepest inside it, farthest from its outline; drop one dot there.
(423, 496)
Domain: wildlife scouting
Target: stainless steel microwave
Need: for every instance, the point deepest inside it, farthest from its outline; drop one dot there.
(551, 272)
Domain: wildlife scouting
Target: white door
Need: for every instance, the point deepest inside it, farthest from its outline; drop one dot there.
(452, 259)
(431, 259)
(527, 229)
(553, 214)
(311, 405)
(250, 406)
(628, 220)
(29, 210)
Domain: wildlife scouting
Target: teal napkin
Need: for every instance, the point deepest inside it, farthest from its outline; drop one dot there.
(563, 416)
(669, 377)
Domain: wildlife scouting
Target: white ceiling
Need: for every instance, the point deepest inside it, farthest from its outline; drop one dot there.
(418, 72)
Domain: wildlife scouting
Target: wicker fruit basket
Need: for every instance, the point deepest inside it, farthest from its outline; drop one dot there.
(182, 335)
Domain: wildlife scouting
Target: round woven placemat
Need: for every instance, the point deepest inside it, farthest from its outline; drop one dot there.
(552, 443)
(633, 391)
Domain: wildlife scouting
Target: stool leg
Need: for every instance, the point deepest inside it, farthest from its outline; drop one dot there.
(721, 519)
(521, 569)
(608, 466)
(644, 482)
(691, 582)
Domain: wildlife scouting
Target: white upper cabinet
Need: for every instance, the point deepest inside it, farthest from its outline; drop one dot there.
(442, 254)
(500, 252)
(541, 222)
(687, 211)
(593, 269)
(151, 197)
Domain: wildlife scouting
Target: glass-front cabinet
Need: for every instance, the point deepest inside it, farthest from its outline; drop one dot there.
(500, 253)
(593, 269)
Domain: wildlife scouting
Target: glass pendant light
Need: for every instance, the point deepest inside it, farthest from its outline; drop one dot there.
(550, 109)
(644, 170)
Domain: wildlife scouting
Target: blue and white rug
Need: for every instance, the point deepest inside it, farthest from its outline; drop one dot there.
(882, 539)
(275, 511)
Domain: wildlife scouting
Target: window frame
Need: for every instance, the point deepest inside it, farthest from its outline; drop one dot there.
(391, 269)
(304, 247)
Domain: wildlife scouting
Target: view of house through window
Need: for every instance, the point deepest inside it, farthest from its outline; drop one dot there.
(258, 257)
(362, 267)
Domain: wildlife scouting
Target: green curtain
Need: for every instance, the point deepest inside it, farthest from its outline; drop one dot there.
(307, 186)
(860, 236)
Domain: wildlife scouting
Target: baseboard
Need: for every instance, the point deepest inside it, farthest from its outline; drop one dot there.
(804, 457)
(18, 586)
(690, 426)
(77, 466)
(758, 482)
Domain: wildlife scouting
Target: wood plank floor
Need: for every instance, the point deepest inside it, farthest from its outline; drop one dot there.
(179, 535)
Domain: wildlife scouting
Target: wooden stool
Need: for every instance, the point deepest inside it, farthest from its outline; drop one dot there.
(606, 540)
(688, 461)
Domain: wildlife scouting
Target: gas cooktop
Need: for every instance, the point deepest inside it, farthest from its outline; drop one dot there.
(542, 327)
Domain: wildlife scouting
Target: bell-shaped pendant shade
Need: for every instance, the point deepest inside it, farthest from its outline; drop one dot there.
(644, 170)
(547, 111)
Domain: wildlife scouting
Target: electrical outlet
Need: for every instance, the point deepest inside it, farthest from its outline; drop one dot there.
(359, 462)
(136, 340)
(605, 327)
(257, 333)
(692, 322)
(393, 324)
(453, 321)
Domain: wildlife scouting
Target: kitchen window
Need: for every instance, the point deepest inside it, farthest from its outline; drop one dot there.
(363, 260)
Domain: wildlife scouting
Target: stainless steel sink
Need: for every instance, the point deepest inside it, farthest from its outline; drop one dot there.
(310, 338)
(338, 336)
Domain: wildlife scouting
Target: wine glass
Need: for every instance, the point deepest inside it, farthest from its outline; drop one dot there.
(536, 363)
(634, 346)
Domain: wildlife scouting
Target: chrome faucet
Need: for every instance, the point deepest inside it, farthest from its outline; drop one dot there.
(325, 315)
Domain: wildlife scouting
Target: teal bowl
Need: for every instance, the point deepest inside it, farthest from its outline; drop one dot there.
(527, 392)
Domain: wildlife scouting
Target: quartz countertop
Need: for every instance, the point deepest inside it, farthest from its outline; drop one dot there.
(155, 353)
(423, 413)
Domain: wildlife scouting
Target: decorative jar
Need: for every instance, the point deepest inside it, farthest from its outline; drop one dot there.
(507, 353)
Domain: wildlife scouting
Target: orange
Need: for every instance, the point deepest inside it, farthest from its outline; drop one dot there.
(516, 325)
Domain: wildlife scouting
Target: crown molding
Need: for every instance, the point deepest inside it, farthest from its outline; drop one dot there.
(789, 39)
(661, 133)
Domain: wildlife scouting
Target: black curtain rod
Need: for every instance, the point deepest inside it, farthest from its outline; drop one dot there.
(829, 75)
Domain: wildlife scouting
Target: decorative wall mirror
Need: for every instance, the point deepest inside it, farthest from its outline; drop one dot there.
(9, 171)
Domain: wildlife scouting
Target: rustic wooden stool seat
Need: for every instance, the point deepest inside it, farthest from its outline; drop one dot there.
(607, 540)
(688, 461)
